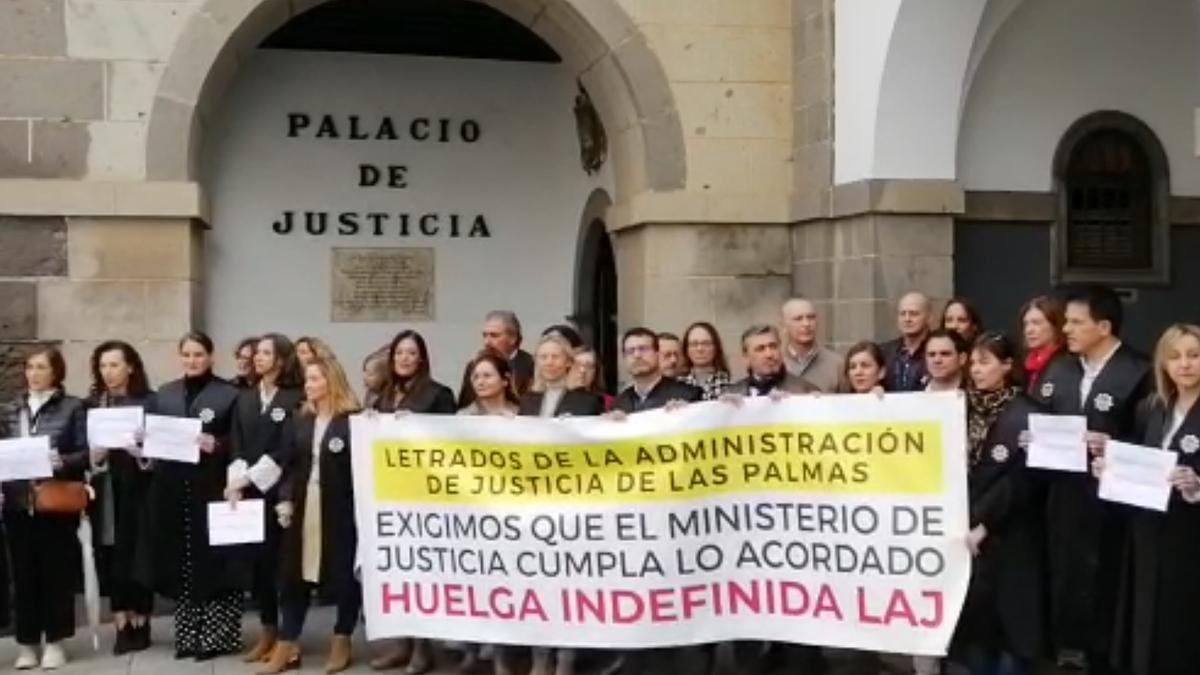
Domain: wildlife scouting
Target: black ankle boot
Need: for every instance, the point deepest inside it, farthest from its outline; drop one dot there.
(124, 636)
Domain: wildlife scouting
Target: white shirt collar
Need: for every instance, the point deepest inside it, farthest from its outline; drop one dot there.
(1094, 370)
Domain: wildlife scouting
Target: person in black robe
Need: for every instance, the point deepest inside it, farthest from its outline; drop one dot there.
(411, 389)
(1001, 626)
(121, 480)
(1160, 582)
(316, 511)
(1105, 382)
(243, 363)
(203, 580)
(43, 546)
(650, 389)
(257, 453)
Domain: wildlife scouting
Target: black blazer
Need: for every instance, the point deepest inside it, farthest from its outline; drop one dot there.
(339, 538)
(1006, 594)
(574, 402)
(429, 397)
(257, 432)
(176, 486)
(522, 368)
(62, 418)
(667, 389)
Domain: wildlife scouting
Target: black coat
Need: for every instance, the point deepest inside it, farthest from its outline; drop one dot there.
(522, 370)
(790, 384)
(339, 538)
(126, 484)
(430, 397)
(574, 402)
(62, 418)
(666, 390)
(1160, 581)
(257, 432)
(1004, 608)
(178, 487)
(1086, 535)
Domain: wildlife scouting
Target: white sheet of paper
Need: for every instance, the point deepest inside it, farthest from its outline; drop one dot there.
(241, 525)
(25, 458)
(113, 427)
(1137, 475)
(172, 438)
(1058, 442)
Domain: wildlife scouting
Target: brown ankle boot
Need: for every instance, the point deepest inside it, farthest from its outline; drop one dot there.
(284, 657)
(339, 654)
(261, 650)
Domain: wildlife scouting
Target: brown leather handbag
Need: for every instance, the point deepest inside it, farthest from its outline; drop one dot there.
(61, 497)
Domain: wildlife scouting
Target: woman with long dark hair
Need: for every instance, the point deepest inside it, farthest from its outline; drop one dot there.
(316, 511)
(202, 579)
(705, 356)
(243, 363)
(258, 455)
(411, 389)
(963, 317)
(121, 480)
(41, 539)
(1002, 623)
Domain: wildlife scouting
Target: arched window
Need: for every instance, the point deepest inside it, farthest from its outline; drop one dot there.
(1110, 174)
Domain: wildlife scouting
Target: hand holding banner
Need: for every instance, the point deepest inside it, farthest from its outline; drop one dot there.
(832, 522)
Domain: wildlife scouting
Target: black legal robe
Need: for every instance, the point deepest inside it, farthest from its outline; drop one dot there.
(127, 488)
(1086, 535)
(1157, 621)
(215, 570)
(258, 431)
(339, 536)
(429, 397)
(666, 390)
(1004, 609)
(574, 402)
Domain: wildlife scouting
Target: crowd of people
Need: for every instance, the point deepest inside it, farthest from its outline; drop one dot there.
(1057, 571)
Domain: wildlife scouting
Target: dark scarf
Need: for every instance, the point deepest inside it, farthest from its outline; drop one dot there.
(983, 407)
(192, 386)
(761, 386)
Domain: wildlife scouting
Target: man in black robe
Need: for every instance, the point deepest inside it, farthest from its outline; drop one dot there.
(1105, 383)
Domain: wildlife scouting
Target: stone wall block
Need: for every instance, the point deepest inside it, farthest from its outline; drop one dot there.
(82, 310)
(117, 30)
(933, 275)
(168, 153)
(132, 248)
(77, 92)
(32, 28)
(814, 278)
(60, 150)
(131, 89)
(18, 310)
(718, 250)
(925, 235)
(33, 246)
(171, 308)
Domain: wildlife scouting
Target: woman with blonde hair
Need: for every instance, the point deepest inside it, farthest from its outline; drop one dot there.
(551, 394)
(1160, 589)
(316, 511)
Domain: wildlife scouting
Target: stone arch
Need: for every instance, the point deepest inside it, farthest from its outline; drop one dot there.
(596, 40)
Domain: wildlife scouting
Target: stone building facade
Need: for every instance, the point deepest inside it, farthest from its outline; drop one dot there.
(847, 150)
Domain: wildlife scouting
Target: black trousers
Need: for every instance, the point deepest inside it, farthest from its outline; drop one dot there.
(266, 572)
(297, 596)
(45, 560)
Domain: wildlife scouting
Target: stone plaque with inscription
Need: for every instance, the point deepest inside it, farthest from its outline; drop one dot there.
(382, 284)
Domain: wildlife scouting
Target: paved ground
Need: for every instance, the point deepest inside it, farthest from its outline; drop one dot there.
(160, 659)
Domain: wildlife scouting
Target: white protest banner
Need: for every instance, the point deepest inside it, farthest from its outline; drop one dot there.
(1058, 443)
(172, 438)
(25, 458)
(835, 521)
(240, 524)
(113, 427)
(1137, 475)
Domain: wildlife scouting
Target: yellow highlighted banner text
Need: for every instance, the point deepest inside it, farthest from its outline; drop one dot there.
(877, 459)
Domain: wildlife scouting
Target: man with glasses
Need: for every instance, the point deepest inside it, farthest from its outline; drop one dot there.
(649, 388)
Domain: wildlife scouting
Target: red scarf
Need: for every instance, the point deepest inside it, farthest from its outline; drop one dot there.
(1035, 363)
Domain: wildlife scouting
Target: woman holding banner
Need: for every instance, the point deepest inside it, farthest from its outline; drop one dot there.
(258, 455)
(865, 368)
(41, 536)
(121, 480)
(495, 392)
(1002, 623)
(316, 512)
(201, 579)
(411, 389)
(1160, 589)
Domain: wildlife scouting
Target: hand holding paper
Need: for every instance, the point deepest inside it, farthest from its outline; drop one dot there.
(114, 427)
(230, 524)
(1058, 443)
(1137, 475)
(172, 438)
